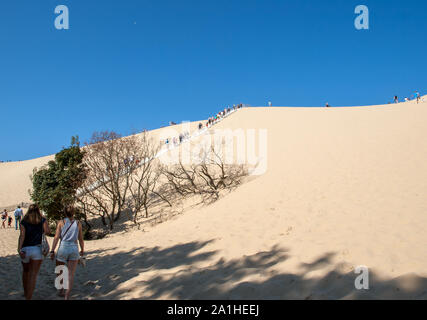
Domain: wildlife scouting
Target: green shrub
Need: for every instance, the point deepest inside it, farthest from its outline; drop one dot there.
(55, 185)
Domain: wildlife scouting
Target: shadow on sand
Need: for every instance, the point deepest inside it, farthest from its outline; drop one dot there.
(188, 271)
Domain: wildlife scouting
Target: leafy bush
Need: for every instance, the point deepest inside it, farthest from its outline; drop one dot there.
(55, 185)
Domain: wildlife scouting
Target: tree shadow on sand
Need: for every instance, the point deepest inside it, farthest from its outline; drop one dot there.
(184, 272)
(192, 271)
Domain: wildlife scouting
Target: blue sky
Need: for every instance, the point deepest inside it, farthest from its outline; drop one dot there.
(133, 64)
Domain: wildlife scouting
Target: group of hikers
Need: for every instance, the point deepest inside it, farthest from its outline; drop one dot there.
(33, 247)
(416, 96)
(223, 113)
(7, 218)
(211, 121)
(177, 140)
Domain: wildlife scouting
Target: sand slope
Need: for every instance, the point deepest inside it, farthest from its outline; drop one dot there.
(344, 187)
(15, 176)
(15, 180)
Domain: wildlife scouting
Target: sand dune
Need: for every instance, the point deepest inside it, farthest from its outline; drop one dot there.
(344, 187)
(15, 180)
(15, 176)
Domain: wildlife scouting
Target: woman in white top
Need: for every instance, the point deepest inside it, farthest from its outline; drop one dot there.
(69, 231)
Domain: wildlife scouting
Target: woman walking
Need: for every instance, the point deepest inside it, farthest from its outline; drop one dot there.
(30, 247)
(69, 231)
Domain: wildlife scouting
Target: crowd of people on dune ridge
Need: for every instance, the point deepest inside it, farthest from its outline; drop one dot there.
(184, 136)
(33, 245)
(222, 114)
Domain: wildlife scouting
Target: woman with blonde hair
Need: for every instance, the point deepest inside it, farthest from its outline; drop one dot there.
(30, 247)
(69, 231)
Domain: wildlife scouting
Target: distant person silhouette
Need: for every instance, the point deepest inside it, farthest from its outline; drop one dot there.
(4, 217)
(18, 217)
(9, 221)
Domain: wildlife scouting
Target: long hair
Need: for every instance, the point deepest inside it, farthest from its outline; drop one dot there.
(33, 215)
(69, 212)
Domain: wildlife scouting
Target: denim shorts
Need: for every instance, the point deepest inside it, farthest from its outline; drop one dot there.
(68, 251)
(32, 253)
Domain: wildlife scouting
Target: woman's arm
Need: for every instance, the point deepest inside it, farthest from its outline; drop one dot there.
(46, 228)
(82, 243)
(21, 240)
(56, 239)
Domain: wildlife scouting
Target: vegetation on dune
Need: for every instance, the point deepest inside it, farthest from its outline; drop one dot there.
(55, 185)
(116, 176)
(206, 177)
(122, 176)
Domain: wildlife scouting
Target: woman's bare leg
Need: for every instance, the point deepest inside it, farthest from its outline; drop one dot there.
(34, 271)
(61, 292)
(25, 277)
(72, 265)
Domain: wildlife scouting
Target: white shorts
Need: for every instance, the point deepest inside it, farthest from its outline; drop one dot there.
(68, 251)
(32, 253)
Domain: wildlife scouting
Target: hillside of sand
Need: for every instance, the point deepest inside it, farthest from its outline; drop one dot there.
(15, 176)
(344, 187)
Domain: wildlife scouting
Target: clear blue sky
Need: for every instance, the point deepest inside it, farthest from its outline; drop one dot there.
(133, 64)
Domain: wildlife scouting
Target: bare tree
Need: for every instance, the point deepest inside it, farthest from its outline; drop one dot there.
(112, 161)
(125, 174)
(205, 176)
(145, 186)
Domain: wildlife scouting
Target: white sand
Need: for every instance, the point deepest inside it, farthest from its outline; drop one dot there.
(344, 187)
